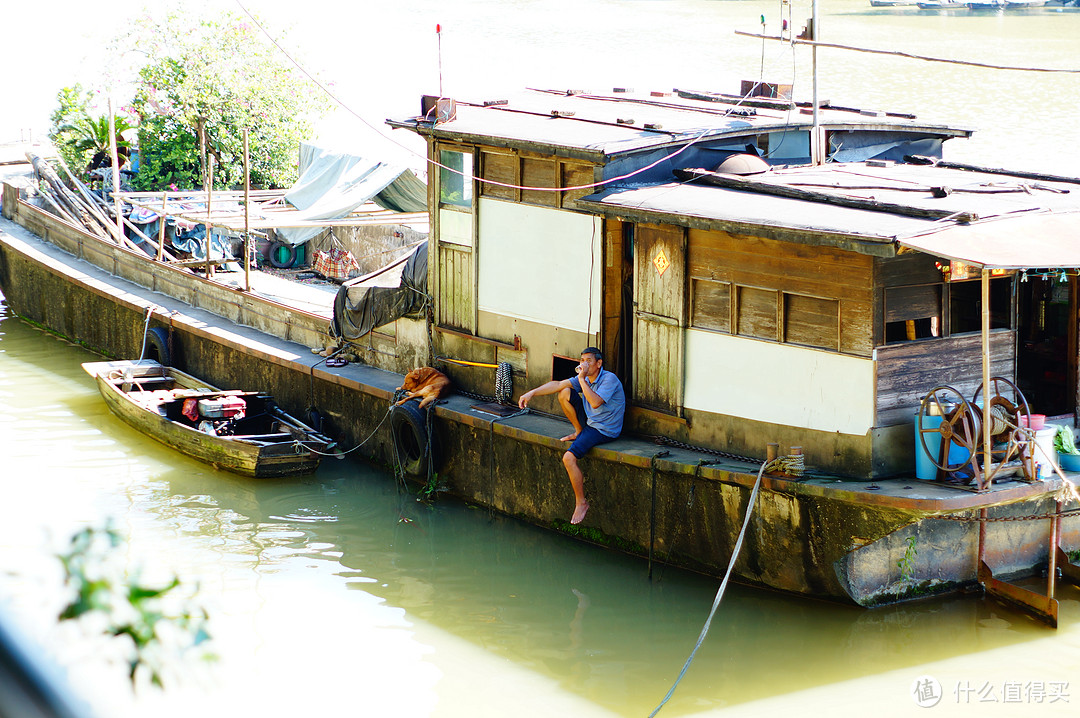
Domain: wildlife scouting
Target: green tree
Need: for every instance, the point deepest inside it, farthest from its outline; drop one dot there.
(79, 136)
(219, 75)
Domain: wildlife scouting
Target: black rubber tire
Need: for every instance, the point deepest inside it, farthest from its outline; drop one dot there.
(415, 448)
(157, 346)
(281, 254)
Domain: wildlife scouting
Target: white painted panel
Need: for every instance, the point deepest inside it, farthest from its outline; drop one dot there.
(540, 264)
(779, 383)
(455, 227)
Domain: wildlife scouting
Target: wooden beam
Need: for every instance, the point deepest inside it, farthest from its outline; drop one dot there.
(727, 181)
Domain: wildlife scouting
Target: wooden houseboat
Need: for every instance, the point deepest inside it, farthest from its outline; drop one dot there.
(744, 292)
(756, 272)
(755, 277)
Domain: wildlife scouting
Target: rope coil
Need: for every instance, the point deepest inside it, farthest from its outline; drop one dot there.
(504, 382)
(793, 465)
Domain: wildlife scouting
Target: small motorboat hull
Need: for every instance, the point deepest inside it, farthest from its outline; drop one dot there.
(243, 432)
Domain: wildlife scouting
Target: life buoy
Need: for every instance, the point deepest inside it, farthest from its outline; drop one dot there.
(281, 254)
(412, 442)
(157, 346)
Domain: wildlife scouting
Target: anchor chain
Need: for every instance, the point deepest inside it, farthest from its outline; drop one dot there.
(1030, 517)
(664, 441)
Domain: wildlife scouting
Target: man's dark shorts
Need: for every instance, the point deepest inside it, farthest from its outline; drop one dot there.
(589, 437)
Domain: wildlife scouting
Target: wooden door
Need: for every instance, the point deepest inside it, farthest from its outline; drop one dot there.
(455, 296)
(659, 317)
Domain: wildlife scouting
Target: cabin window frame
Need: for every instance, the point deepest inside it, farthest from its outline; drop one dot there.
(465, 181)
(698, 319)
(948, 309)
(730, 323)
(519, 168)
(454, 316)
(785, 315)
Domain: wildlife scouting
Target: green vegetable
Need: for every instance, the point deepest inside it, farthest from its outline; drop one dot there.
(1063, 441)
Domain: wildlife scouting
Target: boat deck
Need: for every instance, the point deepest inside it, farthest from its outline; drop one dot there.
(314, 297)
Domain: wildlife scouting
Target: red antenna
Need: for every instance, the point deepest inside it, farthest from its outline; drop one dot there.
(438, 34)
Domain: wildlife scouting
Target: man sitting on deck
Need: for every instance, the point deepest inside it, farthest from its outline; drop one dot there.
(594, 403)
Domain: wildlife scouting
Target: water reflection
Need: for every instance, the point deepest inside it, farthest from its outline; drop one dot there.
(590, 620)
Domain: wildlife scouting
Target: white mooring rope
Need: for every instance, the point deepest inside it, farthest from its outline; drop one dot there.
(719, 592)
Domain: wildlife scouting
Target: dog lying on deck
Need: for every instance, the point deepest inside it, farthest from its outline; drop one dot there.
(426, 383)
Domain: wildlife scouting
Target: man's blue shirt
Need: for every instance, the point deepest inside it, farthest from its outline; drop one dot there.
(608, 417)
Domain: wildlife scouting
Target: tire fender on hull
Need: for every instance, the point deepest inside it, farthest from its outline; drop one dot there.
(412, 443)
(157, 346)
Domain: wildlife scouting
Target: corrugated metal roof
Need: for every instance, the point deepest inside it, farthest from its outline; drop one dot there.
(591, 122)
(982, 218)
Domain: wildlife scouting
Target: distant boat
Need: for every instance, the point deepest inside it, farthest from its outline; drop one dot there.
(1024, 4)
(991, 5)
(941, 5)
(892, 3)
(241, 431)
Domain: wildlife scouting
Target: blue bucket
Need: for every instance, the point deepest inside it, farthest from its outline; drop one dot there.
(924, 465)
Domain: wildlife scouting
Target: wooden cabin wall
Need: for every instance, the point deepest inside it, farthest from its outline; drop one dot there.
(464, 329)
(906, 372)
(911, 287)
(528, 169)
(778, 291)
(897, 284)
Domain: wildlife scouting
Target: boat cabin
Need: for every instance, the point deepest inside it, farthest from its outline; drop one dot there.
(750, 278)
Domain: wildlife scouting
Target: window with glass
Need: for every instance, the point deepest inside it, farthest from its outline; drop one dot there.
(455, 178)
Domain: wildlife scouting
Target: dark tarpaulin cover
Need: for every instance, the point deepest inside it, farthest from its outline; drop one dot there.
(397, 290)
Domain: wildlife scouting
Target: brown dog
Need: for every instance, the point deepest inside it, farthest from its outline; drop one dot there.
(426, 383)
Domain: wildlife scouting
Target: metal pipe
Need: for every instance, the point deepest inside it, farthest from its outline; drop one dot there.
(247, 215)
(819, 148)
(985, 484)
(209, 211)
(1051, 571)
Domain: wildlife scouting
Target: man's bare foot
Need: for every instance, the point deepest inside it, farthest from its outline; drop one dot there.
(570, 437)
(579, 512)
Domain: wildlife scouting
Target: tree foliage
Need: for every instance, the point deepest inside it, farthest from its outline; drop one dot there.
(221, 75)
(78, 135)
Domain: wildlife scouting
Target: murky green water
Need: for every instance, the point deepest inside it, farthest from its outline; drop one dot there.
(340, 594)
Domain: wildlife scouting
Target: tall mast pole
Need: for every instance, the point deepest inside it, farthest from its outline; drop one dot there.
(818, 151)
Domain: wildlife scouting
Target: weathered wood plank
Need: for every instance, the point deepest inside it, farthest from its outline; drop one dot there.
(856, 327)
(711, 305)
(906, 372)
(660, 293)
(779, 190)
(500, 167)
(576, 175)
(756, 313)
(536, 172)
(915, 302)
(907, 268)
(812, 321)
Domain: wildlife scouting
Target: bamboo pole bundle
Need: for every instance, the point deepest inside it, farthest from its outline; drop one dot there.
(101, 209)
(71, 203)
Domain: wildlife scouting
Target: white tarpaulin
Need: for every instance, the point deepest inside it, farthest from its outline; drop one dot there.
(332, 184)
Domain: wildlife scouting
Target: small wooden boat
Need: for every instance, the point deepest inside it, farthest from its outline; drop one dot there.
(241, 431)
